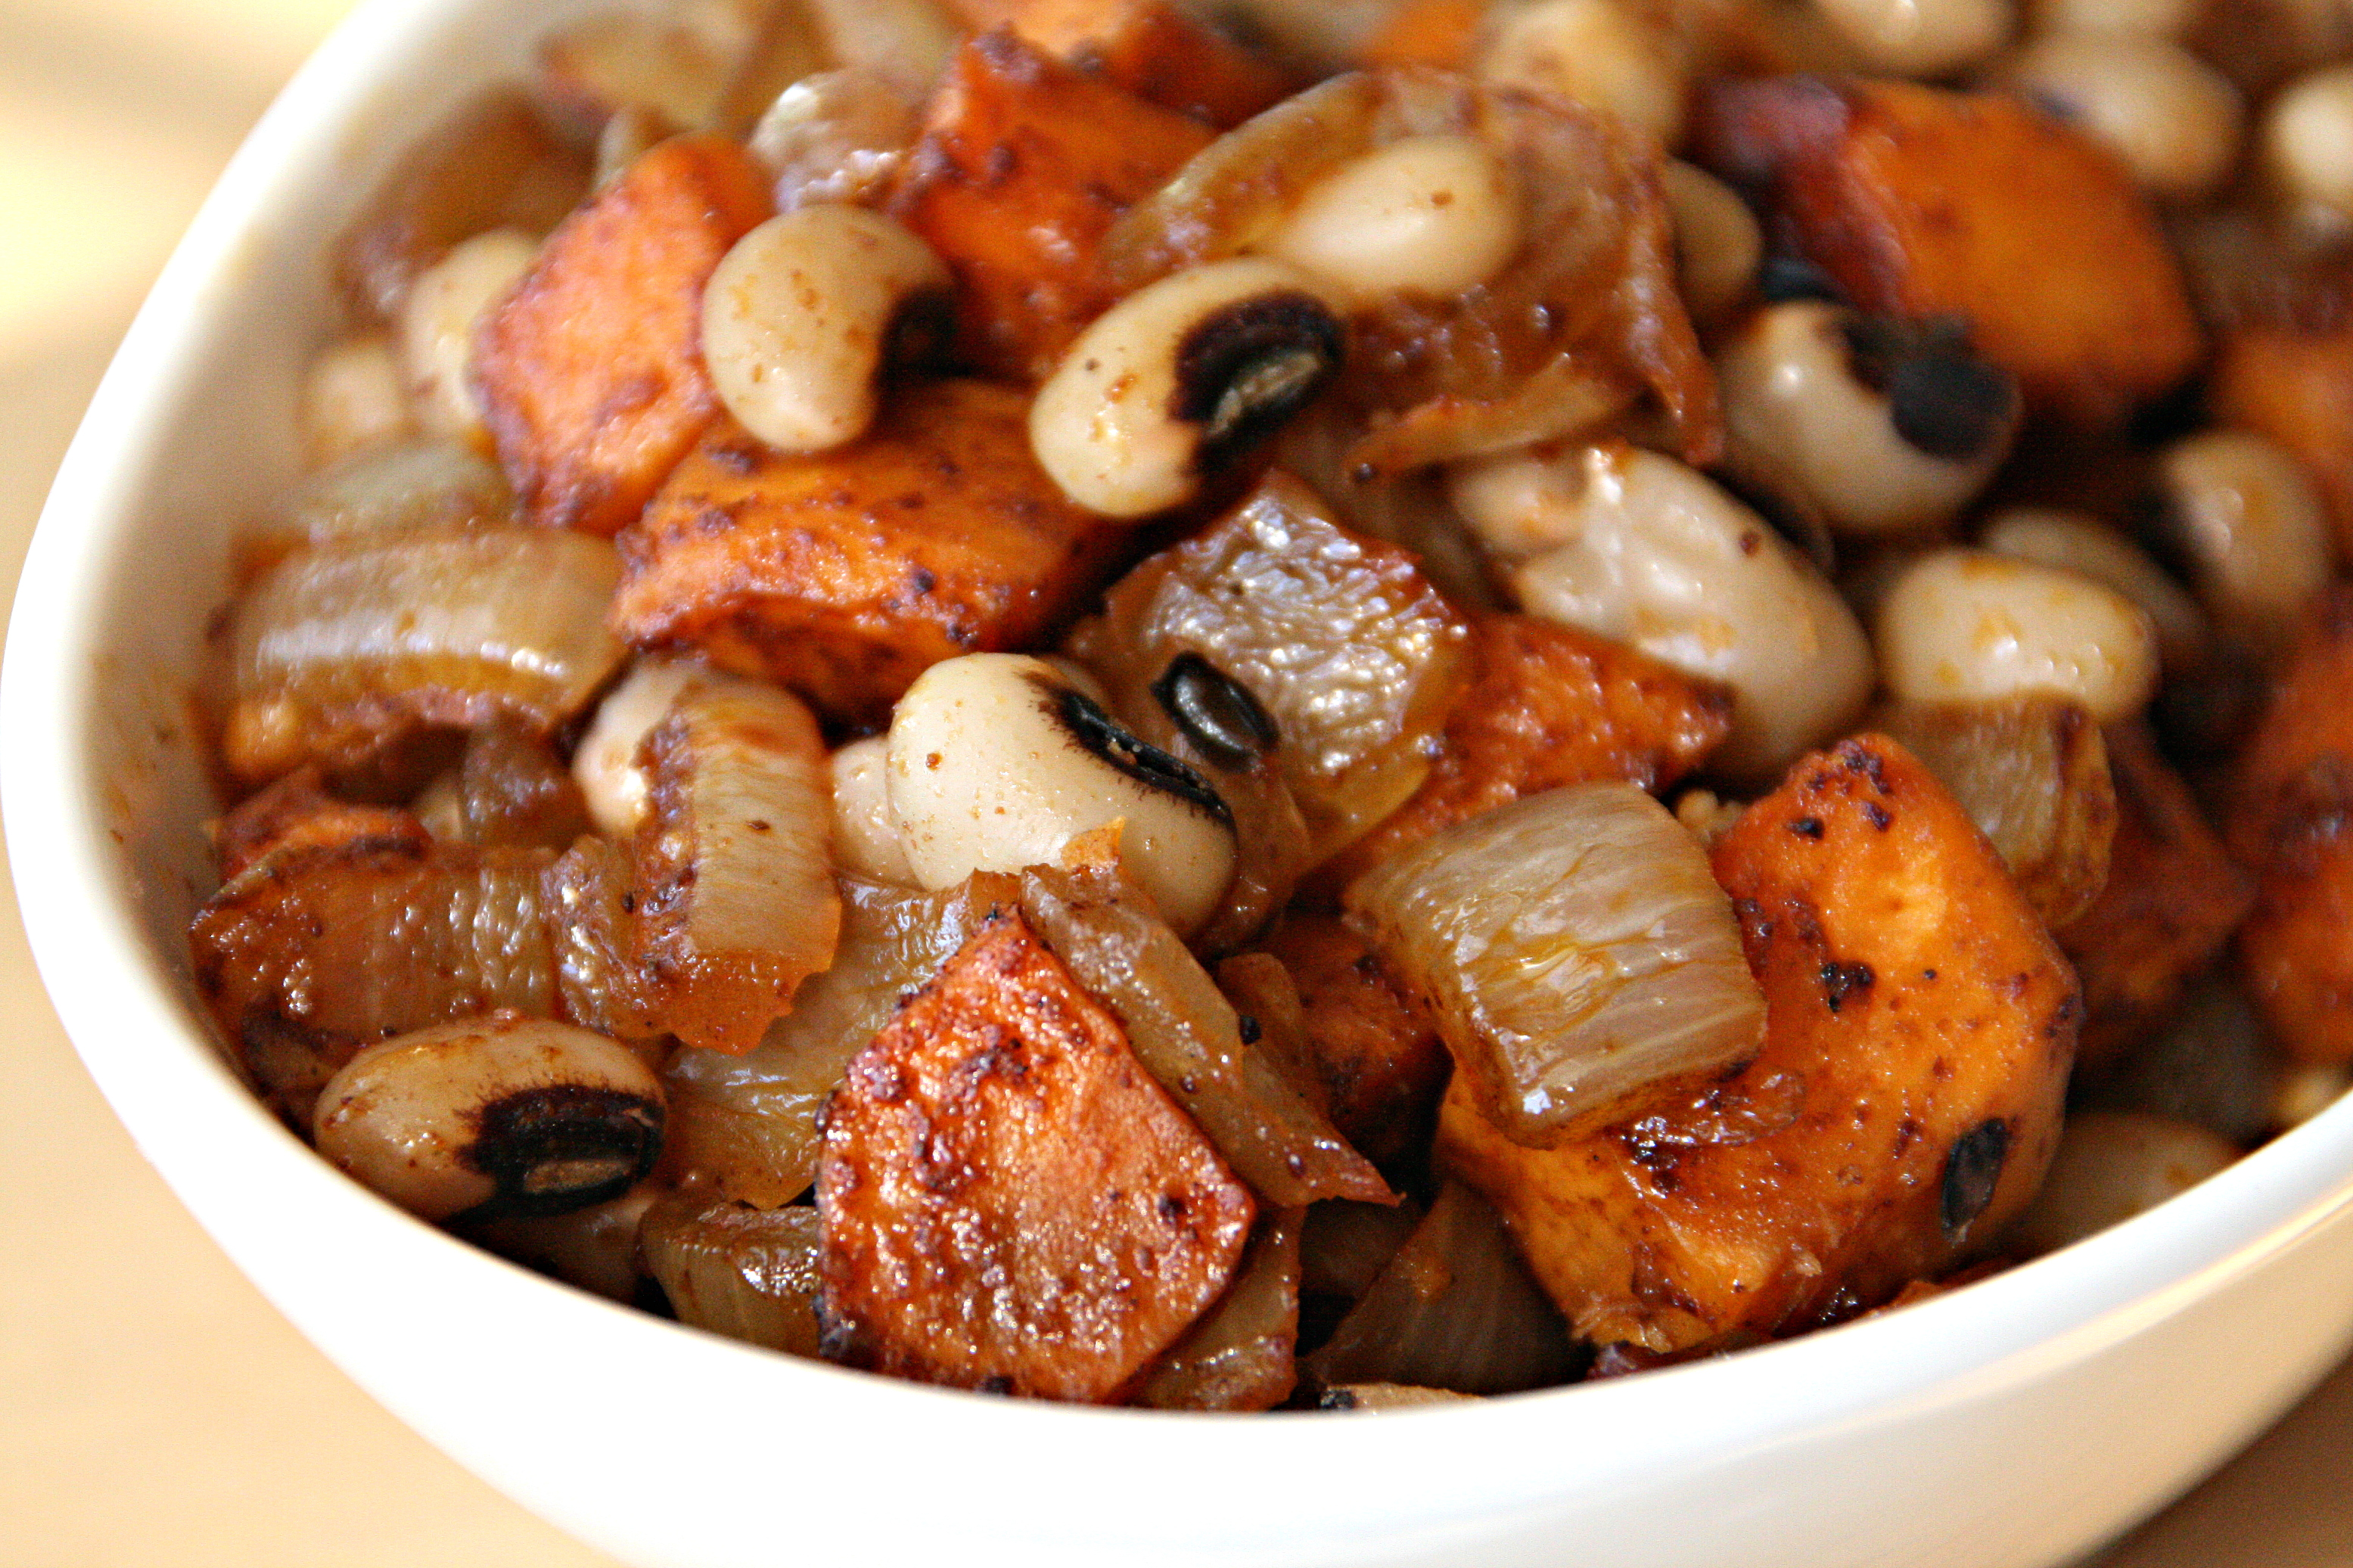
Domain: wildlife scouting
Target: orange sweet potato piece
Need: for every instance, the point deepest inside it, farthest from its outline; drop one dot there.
(1372, 1047)
(1010, 1200)
(1438, 33)
(2172, 899)
(591, 373)
(844, 574)
(2296, 947)
(1920, 1026)
(1547, 706)
(1151, 47)
(1023, 165)
(1921, 202)
(2296, 387)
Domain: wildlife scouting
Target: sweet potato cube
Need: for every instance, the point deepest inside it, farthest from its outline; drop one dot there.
(1920, 1026)
(2295, 387)
(844, 574)
(1546, 706)
(2172, 899)
(1374, 1053)
(1439, 33)
(1921, 202)
(1010, 1200)
(1151, 47)
(591, 373)
(1024, 163)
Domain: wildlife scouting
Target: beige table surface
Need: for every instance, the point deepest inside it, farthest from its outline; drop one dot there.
(154, 1412)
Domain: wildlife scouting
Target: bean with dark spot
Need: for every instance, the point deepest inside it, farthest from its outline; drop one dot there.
(1972, 1171)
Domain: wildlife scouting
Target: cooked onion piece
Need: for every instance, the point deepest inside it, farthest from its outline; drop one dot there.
(508, 788)
(1240, 1355)
(735, 897)
(746, 1273)
(586, 894)
(1188, 1036)
(836, 136)
(1340, 642)
(401, 487)
(348, 645)
(746, 1125)
(1583, 959)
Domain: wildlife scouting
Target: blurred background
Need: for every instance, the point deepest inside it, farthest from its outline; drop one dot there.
(154, 1412)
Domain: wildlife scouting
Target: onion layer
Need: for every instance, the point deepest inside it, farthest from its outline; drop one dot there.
(1240, 1355)
(737, 1271)
(1583, 961)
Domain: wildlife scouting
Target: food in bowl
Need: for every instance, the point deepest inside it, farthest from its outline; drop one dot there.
(1118, 720)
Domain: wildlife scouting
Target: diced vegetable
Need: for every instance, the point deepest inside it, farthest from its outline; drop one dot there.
(1238, 1357)
(749, 1274)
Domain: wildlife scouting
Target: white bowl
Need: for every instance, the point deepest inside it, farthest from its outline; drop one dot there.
(2019, 1421)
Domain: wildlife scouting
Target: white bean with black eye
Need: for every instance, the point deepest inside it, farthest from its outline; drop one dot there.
(2307, 143)
(1886, 427)
(2077, 542)
(866, 839)
(996, 762)
(2111, 1165)
(805, 313)
(1969, 625)
(2241, 515)
(437, 326)
(1602, 54)
(498, 1115)
(1433, 216)
(1519, 504)
(1658, 557)
(1718, 243)
(2172, 118)
(1180, 381)
(1921, 37)
(605, 765)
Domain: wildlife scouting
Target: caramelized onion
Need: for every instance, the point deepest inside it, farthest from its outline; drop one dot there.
(735, 898)
(586, 895)
(347, 645)
(1188, 1036)
(402, 486)
(749, 1274)
(1240, 1355)
(1583, 961)
(747, 1124)
(509, 788)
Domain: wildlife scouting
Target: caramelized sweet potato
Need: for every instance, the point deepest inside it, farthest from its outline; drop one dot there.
(1549, 705)
(1151, 47)
(2171, 899)
(2298, 764)
(591, 373)
(1010, 1200)
(844, 574)
(2296, 387)
(1920, 1028)
(1438, 33)
(1374, 1050)
(1920, 202)
(1024, 163)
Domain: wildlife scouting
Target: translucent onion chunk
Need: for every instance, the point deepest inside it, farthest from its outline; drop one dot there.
(749, 1274)
(400, 486)
(734, 871)
(1239, 1356)
(1583, 962)
(509, 788)
(344, 647)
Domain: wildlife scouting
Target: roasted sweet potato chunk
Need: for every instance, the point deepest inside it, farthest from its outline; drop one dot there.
(844, 574)
(1375, 1052)
(1919, 202)
(1010, 1200)
(2296, 387)
(1920, 1028)
(1151, 47)
(591, 373)
(1438, 33)
(1024, 163)
(1549, 705)
(2171, 899)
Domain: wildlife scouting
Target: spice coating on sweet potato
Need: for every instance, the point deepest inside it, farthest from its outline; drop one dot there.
(1375, 1053)
(1920, 1028)
(1024, 163)
(1151, 47)
(1920, 202)
(1549, 705)
(2296, 387)
(844, 574)
(591, 373)
(1010, 1200)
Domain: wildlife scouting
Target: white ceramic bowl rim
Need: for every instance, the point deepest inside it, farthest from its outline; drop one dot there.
(129, 1010)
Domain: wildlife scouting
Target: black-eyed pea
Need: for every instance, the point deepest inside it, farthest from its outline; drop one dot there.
(805, 313)
(1519, 504)
(836, 136)
(605, 765)
(2111, 1165)
(1431, 215)
(355, 395)
(866, 839)
(437, 327)
(1921, 38)
(2242, 517)
(2173, 119)
(500, 1114)
(1964, 626)
(2077, 542)
(2307, 143)
(1658, 557)
(1718, 244)
(594, 1247)
(996, 762)
(1885, 427)
(1181, 381)
(1602, 53)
